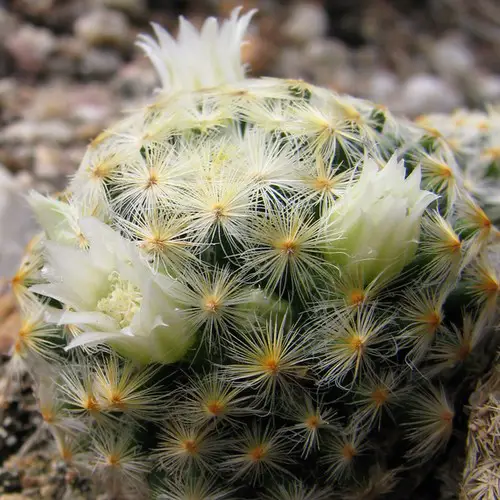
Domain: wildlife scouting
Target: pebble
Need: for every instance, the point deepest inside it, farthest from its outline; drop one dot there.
(8, 25)
(131, 7)
(426, 93)
(100, 64)
(30, 47)
(35, 8)
(326, 52)
(30, 132)
(382, 86)
(305, 22)
(104, 27)
(488, 87)
(48, 491)
(11, 441)
(135, 79)
(451, 57)
(47, 162)
(50, 102)
(290, 63)
(92, 104)
(67, 57)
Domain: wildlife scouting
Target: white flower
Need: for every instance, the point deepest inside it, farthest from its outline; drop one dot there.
(379, 217)
(114, 298)
(59, 220)
(196, 60)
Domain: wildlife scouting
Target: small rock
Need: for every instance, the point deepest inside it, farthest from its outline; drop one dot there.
(136, 79)
(451, 57)
(11, 441)
(100, 63)
(342, 79)
(326, 51)
(382, 87)
(71, 48)
(35, 8)
(488, 88)
(47, 162)
(131, 7)
(67, 55)
(290, 63)
(306, 22)
(8, 25)
(425, 93)
(92, 104)
(30, 132)
(48, 491)
(104, 27)
(50, 102)
(30, 47)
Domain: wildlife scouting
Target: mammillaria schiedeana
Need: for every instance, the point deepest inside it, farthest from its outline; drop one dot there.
(257, 288)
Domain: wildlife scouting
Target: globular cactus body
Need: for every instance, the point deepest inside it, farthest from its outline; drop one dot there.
(257, 288)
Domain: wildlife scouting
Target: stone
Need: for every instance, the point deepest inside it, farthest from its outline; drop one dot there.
(35, 8)
(135, 79)
(290, 63)
(50, 102)
(47, 160)
(48, 491)
(306, 22)
(488, 87)
(131, 7)
(92, 104)
(426, 93)
(31, 132)
(326, 51)
(451, 58)
(104, 27)
(8, 26)
(341, 79)
(98, 63)
(382, 87)
(30, 47)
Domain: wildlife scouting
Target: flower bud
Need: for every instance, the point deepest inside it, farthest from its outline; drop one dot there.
(379, 219)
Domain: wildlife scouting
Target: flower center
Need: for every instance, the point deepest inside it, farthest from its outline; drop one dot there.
(215, 408)
(312, 422)
(348, 452)
(190, 446)
(122, 302)
(380, 396)
(258, 453)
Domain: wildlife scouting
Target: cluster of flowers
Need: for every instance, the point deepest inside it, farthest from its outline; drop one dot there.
(256, 288)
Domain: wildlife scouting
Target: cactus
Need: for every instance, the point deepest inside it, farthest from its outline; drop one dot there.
(257, 288)
(471, 137)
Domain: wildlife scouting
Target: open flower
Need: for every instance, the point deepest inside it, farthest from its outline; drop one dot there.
(114, 298)
(201, 59)
(379, 217)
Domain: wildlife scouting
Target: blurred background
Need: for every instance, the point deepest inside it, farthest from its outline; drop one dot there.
(69, 68)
